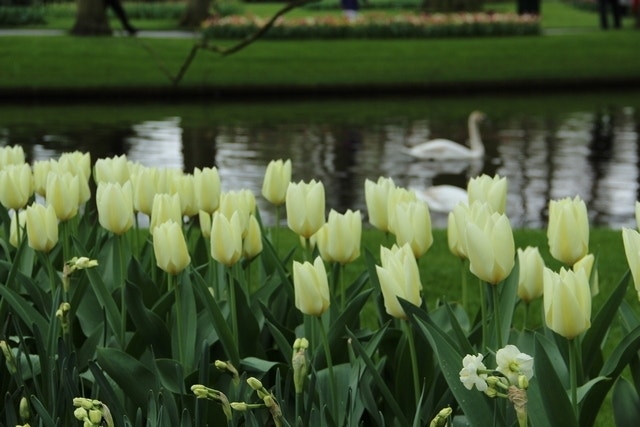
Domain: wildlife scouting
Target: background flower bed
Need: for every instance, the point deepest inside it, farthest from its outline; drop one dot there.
(376, 26)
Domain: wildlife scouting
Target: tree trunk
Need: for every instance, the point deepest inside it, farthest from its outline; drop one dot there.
(91, 19)
(197, 11)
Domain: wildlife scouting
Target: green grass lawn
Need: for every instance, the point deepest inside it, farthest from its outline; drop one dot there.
(99, 62)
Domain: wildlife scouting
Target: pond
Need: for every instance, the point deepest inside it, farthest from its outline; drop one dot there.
(548, 147)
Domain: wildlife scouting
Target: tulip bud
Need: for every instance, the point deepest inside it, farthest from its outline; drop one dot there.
(567, 302)
(10, 361)
(115, 206)
(165, 208)
(17, 220)
(631, 242)
(305, 204)
(226, 238)
(16, 186)
(490, 246)
(299, 364)
(24, 410)
(207, 189)
(530, 279)
(413, 226)
(252, 243)
(42, 227)
(490, 190)
(276, 180)
(311, 287)
(170, 247)
(587, 263)
(338, 240)
(41, 169)
(376, 196)
(399, 277)
(568, 230)
(63, 193)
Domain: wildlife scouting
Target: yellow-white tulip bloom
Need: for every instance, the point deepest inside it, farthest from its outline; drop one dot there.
(165, 207)
(305, 207)
(252, 243)
(568, 230)
(226, 238)
(531, 267)
(204, 219)
(490, 246)
(276, 180)
(567, 302)
(491, 190)
(41, 169)
(145, 187)
(413, 226)
(631, 241)
(170, 247)
(399, 277)
(16, 185)
(207, 188)
(311, 287)
(587, 263)
(115, 206)
(63, 193)
(184, 186)
(242, 202)
(13, 155)
(339, 239)
(396, 196)
(76, 163)
(454, 240)
(376, 196)
(112, 169)
(42, 227)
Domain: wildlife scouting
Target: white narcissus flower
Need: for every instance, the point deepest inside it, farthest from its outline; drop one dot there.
(512, 363)
(469, 375)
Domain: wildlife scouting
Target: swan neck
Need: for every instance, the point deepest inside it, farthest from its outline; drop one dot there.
(475, 142)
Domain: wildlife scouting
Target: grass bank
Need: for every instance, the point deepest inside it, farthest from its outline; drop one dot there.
(126, 66)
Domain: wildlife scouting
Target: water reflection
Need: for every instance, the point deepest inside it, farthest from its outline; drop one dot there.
(593, 154)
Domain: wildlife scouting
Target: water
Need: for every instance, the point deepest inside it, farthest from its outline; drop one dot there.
(548, 147)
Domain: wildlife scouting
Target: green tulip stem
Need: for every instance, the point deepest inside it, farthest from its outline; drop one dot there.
(343, 289)
(573, 375)
(414, 361)
(496, 314)
(525, 320)
(465, 284)
(18, 228)
(171, 279)
(483, 312)
(276, 230)
(327, 352)
(123, 304)
(233, 306)
(64, 228)
(136, 234)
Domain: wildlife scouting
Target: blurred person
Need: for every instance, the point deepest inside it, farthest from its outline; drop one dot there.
(117, 8)
(616, 10)
(350, 8)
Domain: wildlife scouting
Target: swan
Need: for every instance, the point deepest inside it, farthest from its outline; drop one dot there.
(444, 149)
(441, 198)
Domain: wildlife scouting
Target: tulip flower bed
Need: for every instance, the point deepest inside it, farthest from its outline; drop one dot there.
(206, 317)
(375, 25)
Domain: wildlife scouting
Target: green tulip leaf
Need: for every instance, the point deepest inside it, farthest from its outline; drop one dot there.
(284, 338)
(626, 404)
(257, 365)
(149, 326)
(45, 417)
(170, 374)
(601, 324)
(377, 378)
(219, 322)
(621, 356)
(629, 319)
(547, 392)
(133, 377)
(23, 309)
(474, 404)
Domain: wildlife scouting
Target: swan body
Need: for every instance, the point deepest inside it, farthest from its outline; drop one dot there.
(441, 198)
(444, 149)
